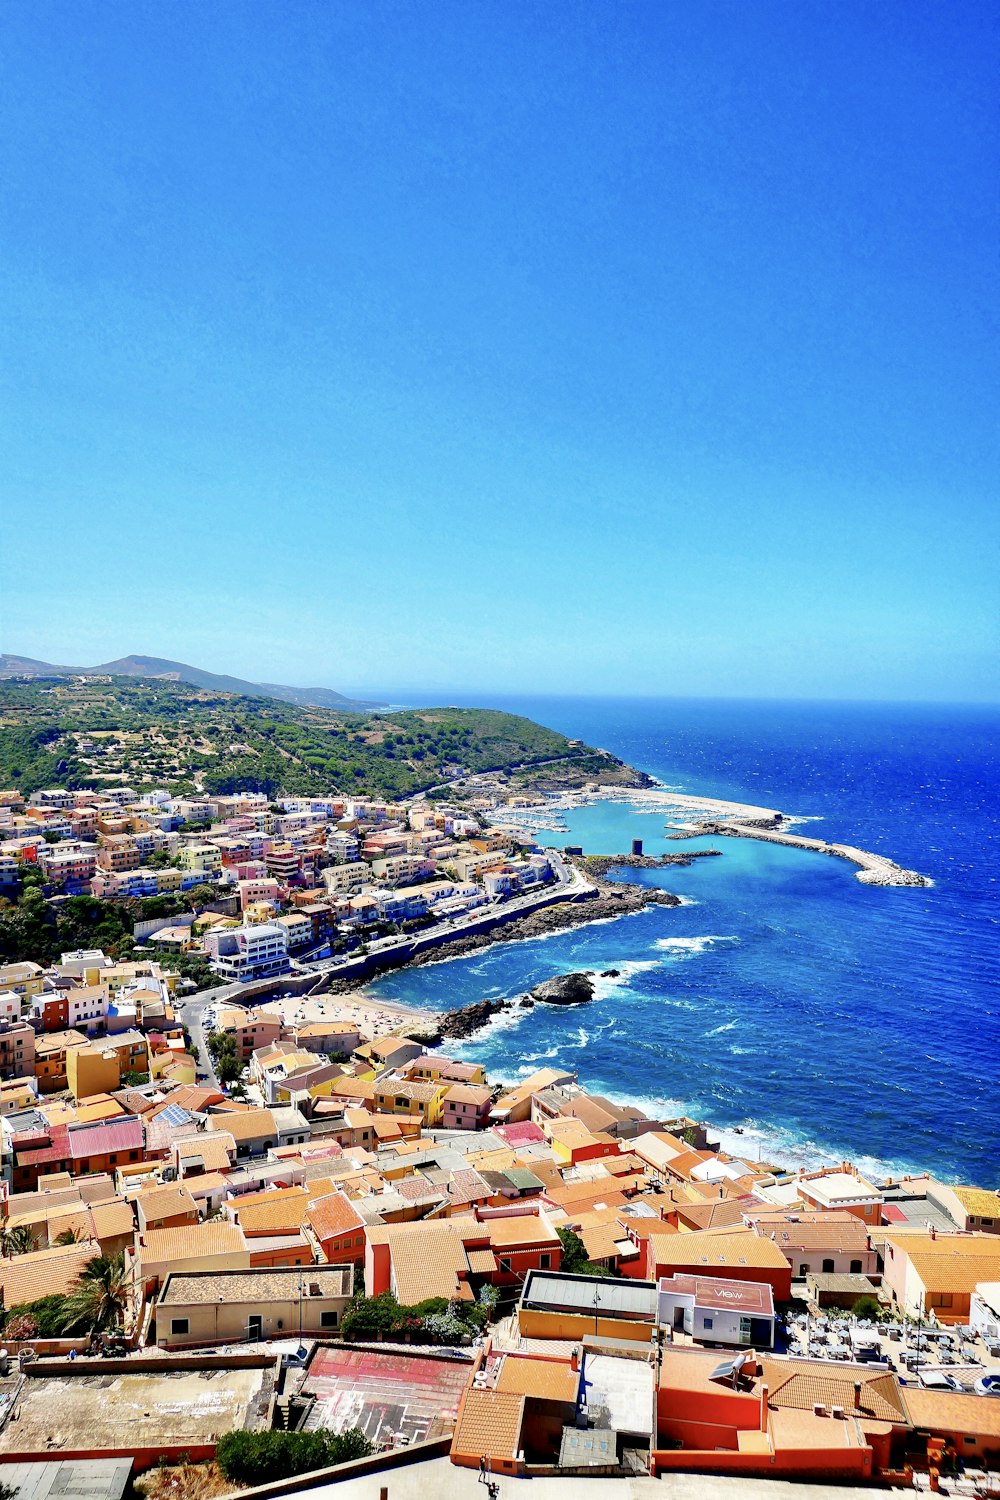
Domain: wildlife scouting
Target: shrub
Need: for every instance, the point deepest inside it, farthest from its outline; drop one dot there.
(260, 1457)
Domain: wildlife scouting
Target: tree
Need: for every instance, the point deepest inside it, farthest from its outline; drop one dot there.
(100, 1297)
(574, 1257)
(68, 1237)
(16, 1241)
(868, 1307)
(43, 1317)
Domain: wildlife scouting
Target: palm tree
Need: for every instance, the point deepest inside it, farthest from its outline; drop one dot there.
(16, 1241)
(68, 1237)
(100, 1297)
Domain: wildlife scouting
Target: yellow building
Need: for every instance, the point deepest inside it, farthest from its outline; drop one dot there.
(92, 1070)
(396, 1096)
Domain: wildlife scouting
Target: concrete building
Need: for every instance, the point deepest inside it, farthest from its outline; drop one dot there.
(712, 1310)
(229, 1307)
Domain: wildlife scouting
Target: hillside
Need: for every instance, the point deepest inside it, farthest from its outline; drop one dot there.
(179, 671)
(150, 732)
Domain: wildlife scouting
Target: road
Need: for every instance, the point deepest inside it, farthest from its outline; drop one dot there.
(569, 883)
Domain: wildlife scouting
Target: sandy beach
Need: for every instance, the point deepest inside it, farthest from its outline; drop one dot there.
(373, 1017)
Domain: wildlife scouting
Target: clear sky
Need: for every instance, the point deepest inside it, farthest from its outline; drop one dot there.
(563, 346)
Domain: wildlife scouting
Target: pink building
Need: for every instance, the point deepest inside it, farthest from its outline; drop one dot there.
(466, 1106)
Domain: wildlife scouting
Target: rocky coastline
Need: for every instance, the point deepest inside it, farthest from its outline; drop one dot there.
(600, 864)
(576, 988)
(609, 900)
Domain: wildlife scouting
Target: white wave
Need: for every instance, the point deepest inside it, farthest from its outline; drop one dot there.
(534, 1057)
(607, 984)
(687, 901)
(681, 946)
(718, 1030)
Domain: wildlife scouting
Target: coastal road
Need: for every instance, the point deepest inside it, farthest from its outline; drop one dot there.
(569, 883)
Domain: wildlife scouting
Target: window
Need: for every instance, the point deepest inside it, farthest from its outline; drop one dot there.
(544, 1260)
(505, 1265)
(328, 1320)
(803, 1268)
(855, 1267)
(828, 1265)
(708, 1322)
(179, 1325)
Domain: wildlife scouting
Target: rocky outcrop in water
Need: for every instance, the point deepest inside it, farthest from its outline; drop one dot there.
(565, 989)
(471, 1018)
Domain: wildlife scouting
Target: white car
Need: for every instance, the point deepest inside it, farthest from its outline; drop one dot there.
(988, 1384)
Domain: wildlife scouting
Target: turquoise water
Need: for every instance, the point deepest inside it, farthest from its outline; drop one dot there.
(822, 1017)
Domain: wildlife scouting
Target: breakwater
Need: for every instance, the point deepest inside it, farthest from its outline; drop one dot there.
(873, 869)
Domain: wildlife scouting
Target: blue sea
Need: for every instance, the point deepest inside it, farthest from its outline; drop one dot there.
(806, 1015)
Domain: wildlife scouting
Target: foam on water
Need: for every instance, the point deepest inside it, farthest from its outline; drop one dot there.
(683, 946)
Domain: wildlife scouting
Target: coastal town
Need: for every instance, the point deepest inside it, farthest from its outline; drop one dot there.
(242, 1196)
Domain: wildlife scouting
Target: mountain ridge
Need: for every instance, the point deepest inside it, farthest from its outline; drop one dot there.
(12, 665)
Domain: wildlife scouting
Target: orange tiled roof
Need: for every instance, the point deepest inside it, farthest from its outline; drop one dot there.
(280, 1211)
(489, 1423)
(188, 1241)
(333, 1215)
(546, 1379)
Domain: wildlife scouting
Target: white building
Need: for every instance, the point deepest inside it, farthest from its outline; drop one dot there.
(243, 953)
(716, 1311)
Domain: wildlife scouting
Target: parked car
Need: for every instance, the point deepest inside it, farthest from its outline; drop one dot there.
(988, 1384)
(938, 1380)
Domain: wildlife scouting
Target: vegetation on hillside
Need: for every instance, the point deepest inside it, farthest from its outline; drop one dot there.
(33, 927)
(146, 733)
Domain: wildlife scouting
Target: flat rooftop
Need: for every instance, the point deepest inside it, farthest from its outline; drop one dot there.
(617, 1298)
(81, 1479)
(129, 1411)
(276, 1284)
(384, 1393)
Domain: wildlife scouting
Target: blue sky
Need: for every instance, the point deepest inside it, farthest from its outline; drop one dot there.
(615, 347)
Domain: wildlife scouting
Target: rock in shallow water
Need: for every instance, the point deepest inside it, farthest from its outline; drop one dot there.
(566, 989)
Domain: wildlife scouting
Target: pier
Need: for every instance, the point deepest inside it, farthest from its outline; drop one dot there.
(873, 869)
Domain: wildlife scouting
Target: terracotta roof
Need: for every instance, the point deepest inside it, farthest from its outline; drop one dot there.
(44, 1272)
(983, 1202)
(213, 1148)
(834, 1231)
(188, 1241)
(247, 1125)
(949, 1412)
(518, 1229)
(426, 1260)
(280, 1211)
(704, 1250)
(545, 1379)
(163, 1200)
(333, 1215)
(468, 1093)
(804, 1384)
(112, 1219)
(489, 1424)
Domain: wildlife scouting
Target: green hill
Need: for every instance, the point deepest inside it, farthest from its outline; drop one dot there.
(152, 732)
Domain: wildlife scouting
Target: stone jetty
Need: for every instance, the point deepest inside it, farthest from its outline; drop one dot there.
(873, 869)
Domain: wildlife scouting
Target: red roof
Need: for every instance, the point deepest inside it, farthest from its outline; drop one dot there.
(892, 1215)
(106, 1135)
(524, 1133)
(717, 1291)
(56, 1150)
